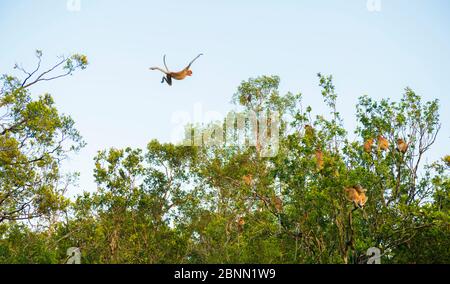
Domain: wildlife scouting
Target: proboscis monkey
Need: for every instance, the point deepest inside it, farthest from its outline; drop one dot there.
(278, 203)
(319, 159)
(357, 195)
(248, 179)
(368, 145)
(240, 224)
(402, 146)
(383, 143)
(181, 75)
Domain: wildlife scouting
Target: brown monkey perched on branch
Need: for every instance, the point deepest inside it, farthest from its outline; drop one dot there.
(278, 203)
(402, 146)
(357, 195)
(368, 145)
(383, 143)
(319, 160)
(248, 179)
(181, 75)
(240, 224)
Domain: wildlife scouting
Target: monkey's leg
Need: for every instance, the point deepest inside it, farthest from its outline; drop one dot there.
(168, 79)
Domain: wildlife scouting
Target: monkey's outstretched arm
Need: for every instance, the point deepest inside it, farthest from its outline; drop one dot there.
(189, 66)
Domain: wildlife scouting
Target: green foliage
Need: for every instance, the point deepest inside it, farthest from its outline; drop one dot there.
(34, 139)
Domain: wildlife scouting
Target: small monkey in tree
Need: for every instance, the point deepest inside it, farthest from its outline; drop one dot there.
(402, 146)
(319, 160)
(181, 75)
(278, 203)
(357, 195)
(248, 179)
(383, 143)
(240, 224)
(368, 145)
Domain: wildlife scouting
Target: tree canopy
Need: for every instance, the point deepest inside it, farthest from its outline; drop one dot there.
(227, 203)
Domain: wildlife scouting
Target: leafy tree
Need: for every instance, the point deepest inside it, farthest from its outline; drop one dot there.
(34, 138)
(220, 201)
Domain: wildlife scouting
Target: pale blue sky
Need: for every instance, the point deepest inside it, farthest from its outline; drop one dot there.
(118, 102)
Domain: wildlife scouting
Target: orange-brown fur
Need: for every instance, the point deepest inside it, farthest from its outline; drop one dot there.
(248, 179)
(240, 224)
(319, 159)
(368, 145)
(278, 204)
(357, 195)
(383, 143)
(402, 146)
(181, 75)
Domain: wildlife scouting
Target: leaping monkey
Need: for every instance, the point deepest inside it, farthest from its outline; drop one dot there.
(181, 75)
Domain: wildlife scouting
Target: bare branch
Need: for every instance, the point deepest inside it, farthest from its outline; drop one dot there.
(39, 56)
(40, 77)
